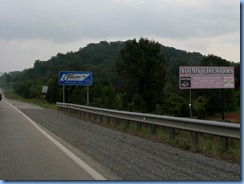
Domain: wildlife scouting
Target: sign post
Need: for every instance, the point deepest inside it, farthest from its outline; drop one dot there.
(87, 96)
(190, 105)
(63, 93)
(206, 77)
(82, 78)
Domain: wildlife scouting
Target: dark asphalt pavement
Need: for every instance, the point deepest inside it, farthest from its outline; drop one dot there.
(26, 154)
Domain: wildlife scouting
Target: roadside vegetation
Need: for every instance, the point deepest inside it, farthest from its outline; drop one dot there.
(207, 145)
(138, 76)
(10, 94)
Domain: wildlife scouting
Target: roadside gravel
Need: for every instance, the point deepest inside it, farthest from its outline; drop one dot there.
(131, 157)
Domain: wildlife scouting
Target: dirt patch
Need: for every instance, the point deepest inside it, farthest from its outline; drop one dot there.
(233, 117)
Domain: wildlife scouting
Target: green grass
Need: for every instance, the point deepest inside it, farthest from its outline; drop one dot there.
(9, 94)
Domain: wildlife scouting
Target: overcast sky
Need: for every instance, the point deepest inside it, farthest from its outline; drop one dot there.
(39, 29)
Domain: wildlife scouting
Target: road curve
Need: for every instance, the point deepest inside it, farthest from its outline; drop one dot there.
(26, 154)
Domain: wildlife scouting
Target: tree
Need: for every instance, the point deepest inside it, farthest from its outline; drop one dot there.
(142, 71)
(212, 60)
(213, 96)
(175, 105)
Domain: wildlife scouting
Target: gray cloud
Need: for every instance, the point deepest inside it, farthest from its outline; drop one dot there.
(76, 19)
(206, 26)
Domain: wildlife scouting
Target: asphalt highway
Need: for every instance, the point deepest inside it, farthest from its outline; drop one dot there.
(29, 151)
(26, 154)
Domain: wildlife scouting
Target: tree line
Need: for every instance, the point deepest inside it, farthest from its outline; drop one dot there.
(135, 75)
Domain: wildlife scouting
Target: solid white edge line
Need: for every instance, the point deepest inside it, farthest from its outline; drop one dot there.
(71, 155)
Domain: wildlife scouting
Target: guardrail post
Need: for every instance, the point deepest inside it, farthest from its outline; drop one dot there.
(82, 114)
(171, 133)
(101, 118)
(194, 137)
(94, 117)
(116, 122)
(224, 144)
(108, 120)
(127, 124)
(138, 125)
(153, 129)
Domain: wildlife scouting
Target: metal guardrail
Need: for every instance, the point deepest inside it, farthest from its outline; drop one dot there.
(223, 129)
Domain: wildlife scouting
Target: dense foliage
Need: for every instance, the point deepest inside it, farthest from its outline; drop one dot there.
(142, 70)
(140, 76)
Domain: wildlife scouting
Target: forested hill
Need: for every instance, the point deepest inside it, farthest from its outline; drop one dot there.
(101, 59)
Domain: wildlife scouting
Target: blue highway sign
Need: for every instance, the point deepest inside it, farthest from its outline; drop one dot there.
(75, 78)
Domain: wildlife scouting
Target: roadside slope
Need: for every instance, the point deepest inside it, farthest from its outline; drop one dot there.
(130, 157)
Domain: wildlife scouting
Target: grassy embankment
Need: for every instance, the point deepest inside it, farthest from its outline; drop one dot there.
(9, 93)
(208, 145)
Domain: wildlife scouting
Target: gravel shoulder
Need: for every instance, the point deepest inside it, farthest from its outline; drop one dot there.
(130, 157)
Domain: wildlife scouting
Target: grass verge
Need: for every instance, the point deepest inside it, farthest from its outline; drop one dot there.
(9, 93)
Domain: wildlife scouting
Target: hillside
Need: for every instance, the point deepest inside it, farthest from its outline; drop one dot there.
(101, 59)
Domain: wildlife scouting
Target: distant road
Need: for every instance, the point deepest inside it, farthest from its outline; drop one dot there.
(26, 154)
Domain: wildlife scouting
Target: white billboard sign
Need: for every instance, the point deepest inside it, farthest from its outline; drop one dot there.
(44, 89)
(206, 77)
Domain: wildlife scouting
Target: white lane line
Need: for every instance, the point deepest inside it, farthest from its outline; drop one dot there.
(71, 155)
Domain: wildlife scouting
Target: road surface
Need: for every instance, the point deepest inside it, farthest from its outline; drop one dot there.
(26, 154)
